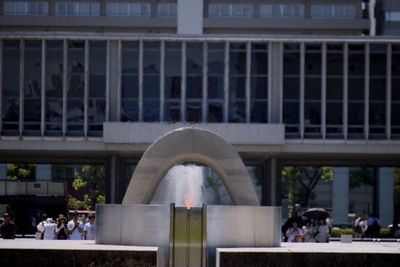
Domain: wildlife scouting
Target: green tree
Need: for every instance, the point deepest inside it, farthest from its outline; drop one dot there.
(20, 171)
(302, 181)
(89, 179)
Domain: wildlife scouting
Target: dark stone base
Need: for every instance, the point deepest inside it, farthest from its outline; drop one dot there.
(76, 258)
(281, 259)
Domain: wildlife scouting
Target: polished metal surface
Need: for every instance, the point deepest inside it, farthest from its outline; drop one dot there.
(137, 225)
(241, 226)
(187, 248)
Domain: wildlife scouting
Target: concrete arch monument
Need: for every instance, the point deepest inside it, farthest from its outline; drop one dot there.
(193, 145)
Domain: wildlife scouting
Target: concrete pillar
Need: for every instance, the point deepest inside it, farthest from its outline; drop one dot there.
(386, 205)
(43, 172)
(271, 184)
(190, 16)
(113, 174)
(340, 195)
(3, 171)
(114, 81)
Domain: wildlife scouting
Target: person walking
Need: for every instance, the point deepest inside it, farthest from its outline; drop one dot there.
(322, 235)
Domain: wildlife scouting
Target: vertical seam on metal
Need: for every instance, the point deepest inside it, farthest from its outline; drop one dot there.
(388, 90)
(323, 93)
(43, 91)
(162, 80)
(302, 62)
(226, 82)
(108, 81)
(366, 91)
(345, 90)
(21, 86)
(119, 77)
(1, 87)
(65, 87)
(140, 93)
(248, 82)
(183, 82)
(86, 90)
(205, 82)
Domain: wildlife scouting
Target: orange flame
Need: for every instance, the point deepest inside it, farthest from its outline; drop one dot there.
(188, 202)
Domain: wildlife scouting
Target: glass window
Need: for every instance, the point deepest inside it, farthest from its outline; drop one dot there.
(167, 10)
(259, 83)
(291, 90)
(77, 8)
(97, 87)
(173, 59)
(362, 183)
(230, 10)
(194, 82)
(76, 88)
(128, 9)
(216, 95)
(25, 8)
(237, 83)
(151, 81)
(130, 82)
(395, 106)
(54, 87)
(282, 10)
(10, 86)
(32, 87)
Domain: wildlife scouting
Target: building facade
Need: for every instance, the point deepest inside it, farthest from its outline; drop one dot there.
(299, 83)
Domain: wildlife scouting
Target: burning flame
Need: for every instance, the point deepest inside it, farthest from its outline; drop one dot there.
(188, 202)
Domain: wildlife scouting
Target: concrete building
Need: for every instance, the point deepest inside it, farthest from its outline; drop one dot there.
(285, 82)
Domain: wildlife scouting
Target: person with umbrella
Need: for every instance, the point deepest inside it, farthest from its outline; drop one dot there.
(323, 232)
(294, 233)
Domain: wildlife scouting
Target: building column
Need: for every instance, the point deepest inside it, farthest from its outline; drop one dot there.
(43, 172)
(113, 171)
(275, 83)
(3, 171)
(340, 195)
(386, 205)
(271, 184)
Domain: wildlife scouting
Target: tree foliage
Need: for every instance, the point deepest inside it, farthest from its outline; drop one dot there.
(20, 171)
(302, 181)
(89, 179)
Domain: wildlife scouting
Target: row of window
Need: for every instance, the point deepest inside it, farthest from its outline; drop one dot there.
(329, 91)
(282, 11)
(87, 8)
(170, 9)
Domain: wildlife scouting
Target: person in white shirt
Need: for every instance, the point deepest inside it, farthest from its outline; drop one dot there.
(49, 227)
(74, 230)
(90, 228)
(323, 232)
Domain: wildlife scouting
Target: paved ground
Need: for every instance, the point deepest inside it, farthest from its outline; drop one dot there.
(332, 247)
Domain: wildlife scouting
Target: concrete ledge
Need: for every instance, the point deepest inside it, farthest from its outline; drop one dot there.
(60, 253)
(334, 254)
(233, 133)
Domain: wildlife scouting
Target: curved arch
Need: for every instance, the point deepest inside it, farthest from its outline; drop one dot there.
(196, 145)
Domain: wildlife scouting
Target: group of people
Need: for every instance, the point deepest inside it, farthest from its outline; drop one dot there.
(308, 233)
(62, 229)
(369, 227)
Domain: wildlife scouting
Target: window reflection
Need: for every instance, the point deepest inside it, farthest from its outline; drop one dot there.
(194, 82)
(173, 59)
(216, 95)
(356, 92)
(97, 87)
(237, 83)
(291, 89)
(76, 88)
(11, 71)
(334, 91)
(151, 81)
(130, 82)
(54, 87)
(395, 107)
(259, 83)
(32, 87)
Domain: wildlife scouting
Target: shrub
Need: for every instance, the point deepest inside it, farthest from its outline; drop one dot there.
(337, 232)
